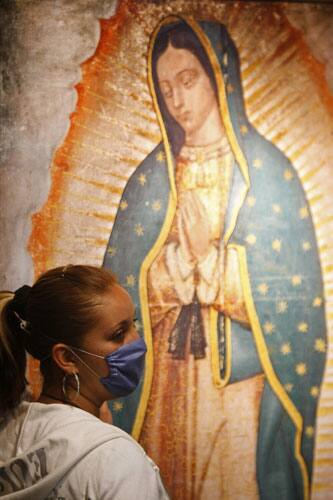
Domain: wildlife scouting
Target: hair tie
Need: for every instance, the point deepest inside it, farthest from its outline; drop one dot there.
(24, 324)
(19, 305)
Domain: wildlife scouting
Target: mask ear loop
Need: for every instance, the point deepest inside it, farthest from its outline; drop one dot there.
(84, 363)
(87, 352)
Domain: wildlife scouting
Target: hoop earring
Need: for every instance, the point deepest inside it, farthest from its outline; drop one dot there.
(77, 381)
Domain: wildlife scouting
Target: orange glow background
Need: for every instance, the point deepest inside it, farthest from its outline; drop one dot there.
(114, 127)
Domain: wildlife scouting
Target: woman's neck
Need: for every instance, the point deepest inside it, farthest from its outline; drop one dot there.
(51, 396)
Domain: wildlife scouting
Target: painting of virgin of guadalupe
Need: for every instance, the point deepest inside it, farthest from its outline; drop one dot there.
(223, 293)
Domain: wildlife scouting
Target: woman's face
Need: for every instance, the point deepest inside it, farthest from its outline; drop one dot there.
(114, 328)
(186, 88)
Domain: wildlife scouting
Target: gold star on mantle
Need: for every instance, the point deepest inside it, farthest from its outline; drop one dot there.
(276, 208)
(309, 431)
(317, 302)
(111, 251)
(306, 246)
(257, 163)
(160, 157)
(296, 280)
(230, 88)
(304, 213)
(130, 280)
(142, 179)
(285, 348)
(282, 307)
(139, 229)
(302, 327)
(156, 205)
(288, 387)
(251, 201)
(117, 406)
(244, 130)
(123, 205)
(301, 369)
(276, 245)
(263, 289)
(138, 325)
(251, 239)
(269, 327)
(314, 391)
(320, 345)
(288, 175)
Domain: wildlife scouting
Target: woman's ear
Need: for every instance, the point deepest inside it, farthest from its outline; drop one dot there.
(64, 358)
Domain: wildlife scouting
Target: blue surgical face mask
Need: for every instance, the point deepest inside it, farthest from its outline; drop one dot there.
(125, 367)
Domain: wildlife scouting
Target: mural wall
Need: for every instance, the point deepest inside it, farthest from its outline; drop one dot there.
(197, 166)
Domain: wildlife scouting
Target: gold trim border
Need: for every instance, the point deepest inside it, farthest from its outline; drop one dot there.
(147, 329)
(266, 363)
(143, 282)
(243, 165)
(254, 321)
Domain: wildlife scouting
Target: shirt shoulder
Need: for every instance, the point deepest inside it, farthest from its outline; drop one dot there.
(119, 469)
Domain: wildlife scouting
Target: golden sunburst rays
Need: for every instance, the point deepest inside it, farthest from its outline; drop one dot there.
(325, 220)
(322, 483)
(246, 31)
(141, 106)
(79, 161)
(283, 116)
(123, 105)
(138, 76)
(253, 73)
(291, 109)
(90, 242)
(308, 172)
(128, 94)
(84, 199)
(144, 116)
(114, 127)
(274, 111)
(104, 121)
(256, 65)
(185, 7)
(323, 460)
(96, 150)
(275, 104)
(89, 215)
(302, 146)
(112, 130)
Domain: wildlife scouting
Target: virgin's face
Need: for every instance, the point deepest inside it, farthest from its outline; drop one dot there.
(186, 88)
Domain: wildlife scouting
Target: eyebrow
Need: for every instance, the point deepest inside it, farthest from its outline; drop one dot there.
(178, 74)
(124, 322)
(186, 70)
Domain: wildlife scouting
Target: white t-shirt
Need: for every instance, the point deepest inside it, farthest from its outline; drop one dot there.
(60, 452)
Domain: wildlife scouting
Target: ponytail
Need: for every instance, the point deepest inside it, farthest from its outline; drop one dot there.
(12, 354)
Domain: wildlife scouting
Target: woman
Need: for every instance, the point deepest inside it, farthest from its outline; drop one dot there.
(79, 323)
(208, 239)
